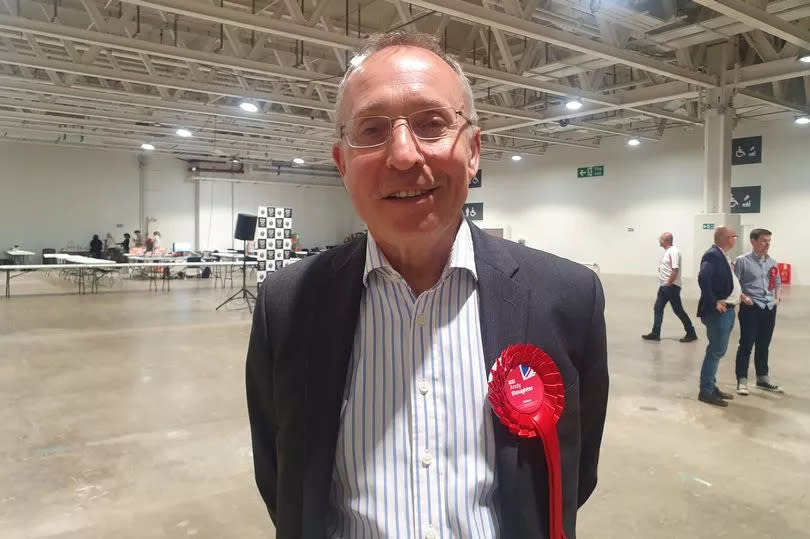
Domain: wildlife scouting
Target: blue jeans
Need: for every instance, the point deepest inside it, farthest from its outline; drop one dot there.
(718, 330)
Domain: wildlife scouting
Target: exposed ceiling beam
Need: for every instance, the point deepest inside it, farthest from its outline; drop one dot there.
(270, 25)
(150, 80)
(126, 99)
(495, 19)
(759, 18)
(110, 41)
(776, 101)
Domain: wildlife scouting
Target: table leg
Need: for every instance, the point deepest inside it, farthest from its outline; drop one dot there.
(8, 284)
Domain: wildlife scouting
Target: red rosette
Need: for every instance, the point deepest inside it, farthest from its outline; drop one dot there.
(772, 278)
(527, 394)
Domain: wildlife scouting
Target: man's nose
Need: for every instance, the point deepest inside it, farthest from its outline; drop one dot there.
(403, 148)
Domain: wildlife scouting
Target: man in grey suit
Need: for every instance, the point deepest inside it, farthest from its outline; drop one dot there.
(367, 365)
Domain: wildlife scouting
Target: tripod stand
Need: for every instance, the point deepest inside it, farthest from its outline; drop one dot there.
(245, 294)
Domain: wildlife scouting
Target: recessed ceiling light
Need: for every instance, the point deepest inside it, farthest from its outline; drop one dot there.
(573, 104)
(299, 161)
(802, 120)
(516, 158)
(148, 147)
(805, 58)
(247, 106)
(185, 133)
(235, 161)
(633, 142)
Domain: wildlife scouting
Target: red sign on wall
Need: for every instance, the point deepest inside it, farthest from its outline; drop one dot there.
(784, 273)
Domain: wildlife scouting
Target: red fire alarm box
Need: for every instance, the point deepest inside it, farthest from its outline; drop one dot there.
(784, 273)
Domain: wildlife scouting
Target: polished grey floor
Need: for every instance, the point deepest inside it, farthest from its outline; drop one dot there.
(123, 416)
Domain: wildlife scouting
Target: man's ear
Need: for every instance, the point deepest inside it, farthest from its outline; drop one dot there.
(475, 153)
(339, 159)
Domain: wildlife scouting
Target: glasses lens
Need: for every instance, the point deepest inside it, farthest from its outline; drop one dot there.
(433, 123)
(369, 131)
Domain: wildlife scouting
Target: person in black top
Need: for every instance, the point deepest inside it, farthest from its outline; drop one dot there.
(95, 247)
(125, 244)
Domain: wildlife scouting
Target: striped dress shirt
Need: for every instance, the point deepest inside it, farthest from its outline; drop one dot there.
(415, 455)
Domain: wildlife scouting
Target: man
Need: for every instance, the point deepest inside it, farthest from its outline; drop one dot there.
(720, 293)
(367, 366)
(759, 278)
(669, 290)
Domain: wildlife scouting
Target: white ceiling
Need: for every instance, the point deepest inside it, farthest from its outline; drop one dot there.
(116, 74)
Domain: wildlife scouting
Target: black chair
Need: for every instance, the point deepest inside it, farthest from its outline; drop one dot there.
(48, 251)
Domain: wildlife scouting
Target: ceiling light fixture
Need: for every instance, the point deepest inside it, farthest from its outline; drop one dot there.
(633, 142)
(805, 58)
(299, 161)
(248, 106)
(235, 161)
(516, 158)
(802, 120)
(185, 133)
(148, 147)
(573, 104)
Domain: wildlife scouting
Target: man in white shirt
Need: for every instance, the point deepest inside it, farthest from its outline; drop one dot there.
(669, 291)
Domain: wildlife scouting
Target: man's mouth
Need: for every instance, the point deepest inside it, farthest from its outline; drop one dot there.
(404, 195)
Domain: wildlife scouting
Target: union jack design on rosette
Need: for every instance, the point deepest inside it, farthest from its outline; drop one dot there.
(527, 394)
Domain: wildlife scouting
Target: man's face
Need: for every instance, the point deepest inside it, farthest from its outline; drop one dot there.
(729, 240)
(761, 245)
(399, 81)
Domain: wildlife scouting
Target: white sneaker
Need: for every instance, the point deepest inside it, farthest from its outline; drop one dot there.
(742, 386)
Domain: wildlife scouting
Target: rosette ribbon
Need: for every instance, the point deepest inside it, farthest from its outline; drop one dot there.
(772, 281)
(527, 394)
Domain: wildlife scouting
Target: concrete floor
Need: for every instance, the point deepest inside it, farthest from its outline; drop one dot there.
(123, 417)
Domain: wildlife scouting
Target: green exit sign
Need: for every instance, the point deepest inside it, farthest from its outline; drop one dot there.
(708, 226)
(591, 172)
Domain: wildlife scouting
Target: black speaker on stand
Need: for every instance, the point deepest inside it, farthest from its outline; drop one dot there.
(245, 231)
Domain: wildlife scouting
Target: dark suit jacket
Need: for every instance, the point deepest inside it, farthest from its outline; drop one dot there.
(714, 279)
(299, 353)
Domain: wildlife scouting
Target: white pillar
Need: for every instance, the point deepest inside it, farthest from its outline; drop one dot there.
(718, 124)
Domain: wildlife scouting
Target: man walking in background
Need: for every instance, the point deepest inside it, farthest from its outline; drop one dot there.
(759, 279)
(669, 291)
(720, 293)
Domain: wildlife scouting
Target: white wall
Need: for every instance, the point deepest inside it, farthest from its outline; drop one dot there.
(321, 215)
(52, 196)
(651, 188)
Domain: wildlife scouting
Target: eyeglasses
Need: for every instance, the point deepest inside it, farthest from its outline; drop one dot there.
(431, 124)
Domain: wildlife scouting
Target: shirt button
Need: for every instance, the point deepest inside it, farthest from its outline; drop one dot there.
(427, 459)
(421, 319)
(430, 533)
(424, 387)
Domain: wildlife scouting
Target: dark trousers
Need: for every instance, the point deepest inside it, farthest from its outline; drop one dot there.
(756, 328)
(672, 295)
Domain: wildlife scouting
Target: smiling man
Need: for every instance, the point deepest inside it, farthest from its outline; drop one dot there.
(367, 366)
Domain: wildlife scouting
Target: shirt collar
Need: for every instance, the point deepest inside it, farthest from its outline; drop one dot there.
(462, 256)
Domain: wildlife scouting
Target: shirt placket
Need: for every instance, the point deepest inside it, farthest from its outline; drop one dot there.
(424, 413)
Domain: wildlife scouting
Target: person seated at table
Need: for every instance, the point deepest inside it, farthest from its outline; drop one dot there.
(125, 244)
(109, 242)
(96, 246)
(156, 240)
(138, 238)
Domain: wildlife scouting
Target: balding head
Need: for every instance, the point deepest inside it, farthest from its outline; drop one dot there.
(665, 240)
(725, 237)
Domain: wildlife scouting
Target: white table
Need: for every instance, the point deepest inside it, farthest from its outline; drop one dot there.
(94, 266)
(19, 255)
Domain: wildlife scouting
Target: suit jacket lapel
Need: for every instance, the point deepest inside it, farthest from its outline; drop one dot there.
(504, 316)
(336, 302)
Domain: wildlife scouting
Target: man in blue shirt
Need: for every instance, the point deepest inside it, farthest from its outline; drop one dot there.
(759, 278)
